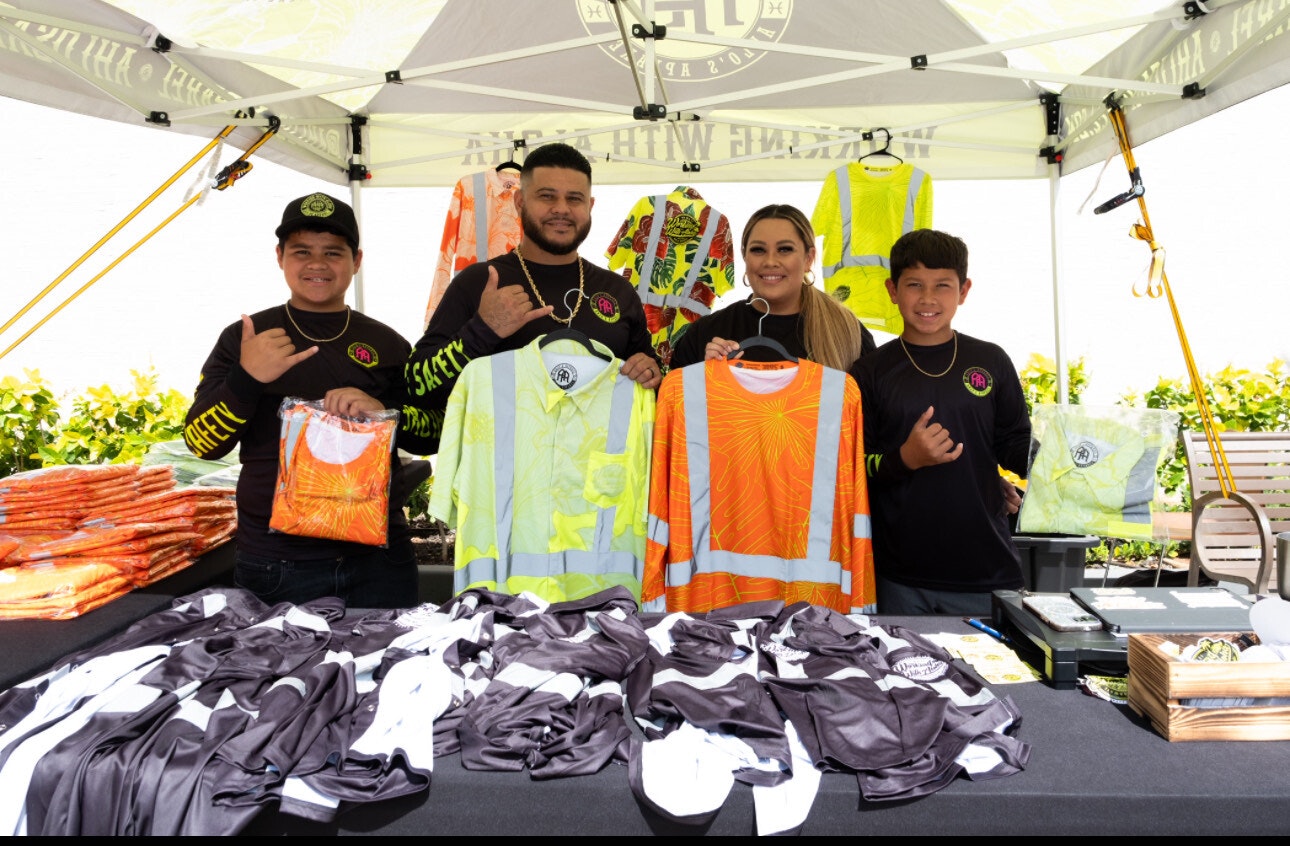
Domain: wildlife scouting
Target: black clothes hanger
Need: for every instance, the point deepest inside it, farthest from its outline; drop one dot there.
(760, 340)
(510, 163)
(886, 145)
(573, 334)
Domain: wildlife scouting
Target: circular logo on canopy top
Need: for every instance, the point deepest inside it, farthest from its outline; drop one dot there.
(689, 61)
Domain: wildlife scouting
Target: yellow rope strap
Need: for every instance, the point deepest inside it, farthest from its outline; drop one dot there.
(226, 178)
(1158, 282)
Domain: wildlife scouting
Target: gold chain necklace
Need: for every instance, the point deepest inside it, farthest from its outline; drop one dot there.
(567, 321)
(343, 329)
(953, 358)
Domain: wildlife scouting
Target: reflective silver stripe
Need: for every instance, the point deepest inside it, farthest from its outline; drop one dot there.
(700, 254)
(863, 527)
(690, 305)
(773, 567)
(911, 200)
(674, 301)
(504, 447)
(844, 198)
(1140, 487)
(697, 444)
(620, 417)
(481, 217)
(659, 530)
(651, 248)
(824, 478)
(680, 573)
(540, 565)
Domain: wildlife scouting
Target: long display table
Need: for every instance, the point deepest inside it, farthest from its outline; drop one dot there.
(1094, 768)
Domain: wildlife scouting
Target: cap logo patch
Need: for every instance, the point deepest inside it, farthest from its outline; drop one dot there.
(317, 205)
(363, 354)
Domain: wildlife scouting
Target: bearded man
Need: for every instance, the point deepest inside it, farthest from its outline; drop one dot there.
(541, 286)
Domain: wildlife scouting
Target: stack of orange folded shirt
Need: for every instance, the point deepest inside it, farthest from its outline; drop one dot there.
(73, 538)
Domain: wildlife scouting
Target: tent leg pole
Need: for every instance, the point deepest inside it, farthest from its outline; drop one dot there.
(1055, 242)
(355, 200)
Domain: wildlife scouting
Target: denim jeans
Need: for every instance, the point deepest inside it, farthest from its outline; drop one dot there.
(374, 578)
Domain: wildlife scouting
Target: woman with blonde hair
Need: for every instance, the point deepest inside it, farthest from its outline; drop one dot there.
(778, 249)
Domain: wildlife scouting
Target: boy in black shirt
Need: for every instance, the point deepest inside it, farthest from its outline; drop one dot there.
(942, 412)
(314, 347)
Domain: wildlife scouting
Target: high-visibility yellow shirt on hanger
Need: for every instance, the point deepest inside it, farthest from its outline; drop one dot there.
(543, 469)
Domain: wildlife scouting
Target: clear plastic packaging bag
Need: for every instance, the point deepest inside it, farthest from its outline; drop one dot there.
(1095, 470)
(333, 474)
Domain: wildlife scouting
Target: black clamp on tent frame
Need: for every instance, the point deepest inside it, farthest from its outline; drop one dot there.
(1194, 9)
(356, 124)
(918, 62)
(652, 111)
(690, 167)
(1136, 187)
(1051, 155)
(236, 170)
(1193, 91)
(161, 44)
(1052, 113)
(394, 76)
(656, 31)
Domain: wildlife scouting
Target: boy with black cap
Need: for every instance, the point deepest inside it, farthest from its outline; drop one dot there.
(313, 346)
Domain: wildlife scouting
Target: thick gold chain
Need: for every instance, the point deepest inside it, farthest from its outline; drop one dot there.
(343, 330)
(953, 358)
(567, 321)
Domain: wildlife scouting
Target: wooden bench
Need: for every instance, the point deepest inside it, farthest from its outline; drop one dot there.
(1234, 537)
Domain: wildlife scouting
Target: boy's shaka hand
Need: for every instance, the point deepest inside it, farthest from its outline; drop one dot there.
(929, 443)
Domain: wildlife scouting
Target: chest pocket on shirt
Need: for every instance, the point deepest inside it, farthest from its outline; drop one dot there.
(606, 479)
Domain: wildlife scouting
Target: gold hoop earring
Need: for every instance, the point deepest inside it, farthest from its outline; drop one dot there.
(747, 284)
(808, 279)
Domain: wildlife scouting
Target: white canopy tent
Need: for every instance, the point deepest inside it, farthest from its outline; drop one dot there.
(422, 92)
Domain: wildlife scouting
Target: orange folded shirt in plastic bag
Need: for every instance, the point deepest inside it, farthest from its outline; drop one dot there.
(333, 474)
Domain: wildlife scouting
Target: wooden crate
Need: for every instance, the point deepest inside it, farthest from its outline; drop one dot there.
(1158, 681)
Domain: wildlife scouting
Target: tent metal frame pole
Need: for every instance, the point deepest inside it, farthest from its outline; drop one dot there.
(1055, 247)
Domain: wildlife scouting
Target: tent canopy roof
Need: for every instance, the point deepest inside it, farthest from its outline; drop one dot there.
(422, 92)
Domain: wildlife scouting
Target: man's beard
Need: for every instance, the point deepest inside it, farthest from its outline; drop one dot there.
(533, 235)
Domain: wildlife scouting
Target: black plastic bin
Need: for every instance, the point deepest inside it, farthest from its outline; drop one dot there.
(1053, 563)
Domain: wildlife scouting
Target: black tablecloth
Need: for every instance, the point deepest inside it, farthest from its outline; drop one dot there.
(1095, 768)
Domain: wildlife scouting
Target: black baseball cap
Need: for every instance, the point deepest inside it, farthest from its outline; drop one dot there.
(319, 211)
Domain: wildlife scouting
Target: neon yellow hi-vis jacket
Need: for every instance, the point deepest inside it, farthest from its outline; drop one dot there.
(543, 468)
(860, 214)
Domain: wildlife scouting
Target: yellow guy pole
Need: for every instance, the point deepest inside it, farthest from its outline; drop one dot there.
(1158, 281)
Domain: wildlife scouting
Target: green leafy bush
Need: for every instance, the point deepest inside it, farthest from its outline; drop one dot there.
(28, 420)
(100, 427)
(1039, 381)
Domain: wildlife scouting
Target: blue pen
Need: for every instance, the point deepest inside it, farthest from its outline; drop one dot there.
(994, 633)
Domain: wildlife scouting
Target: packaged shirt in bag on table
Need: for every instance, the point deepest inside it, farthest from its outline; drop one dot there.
(1095, 470)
